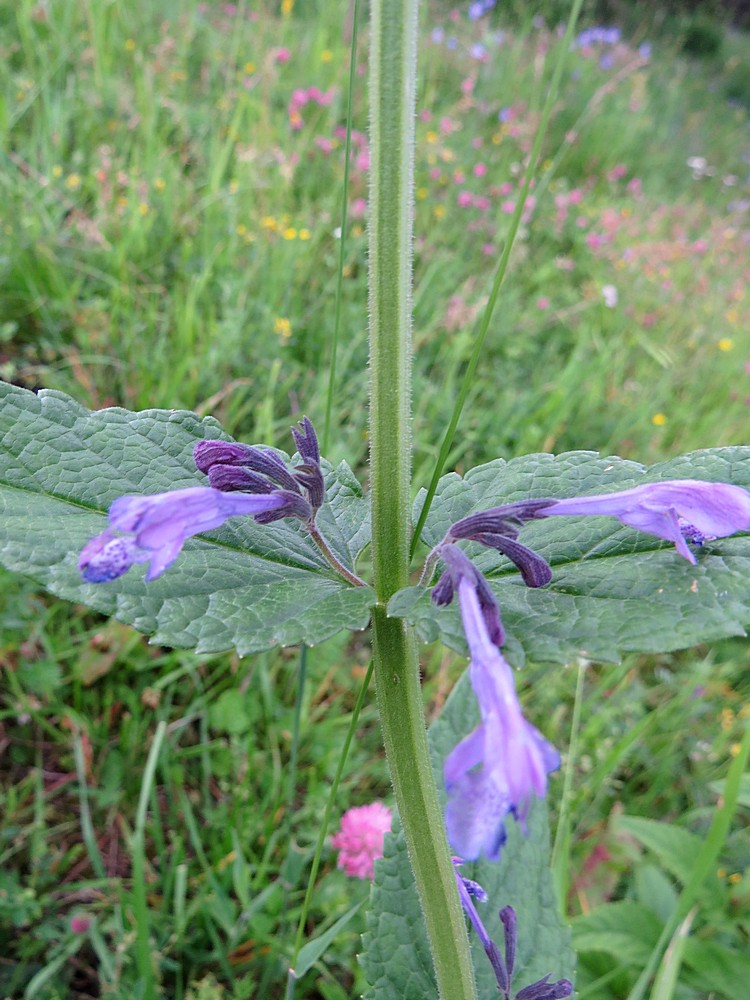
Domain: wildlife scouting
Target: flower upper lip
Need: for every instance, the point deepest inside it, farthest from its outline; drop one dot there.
(671, 509)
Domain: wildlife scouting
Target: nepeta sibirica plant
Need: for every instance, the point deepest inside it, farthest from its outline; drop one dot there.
(161, 520)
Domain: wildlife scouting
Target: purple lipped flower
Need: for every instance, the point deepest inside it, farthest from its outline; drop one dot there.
(156, 527)
(465, 893)
(473, 888)
(682, 510)
(497, 769)
(459, 567)
(543, 989)
(507, 519)
(498, 528)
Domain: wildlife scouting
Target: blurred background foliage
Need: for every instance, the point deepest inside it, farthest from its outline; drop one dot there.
(172, 183)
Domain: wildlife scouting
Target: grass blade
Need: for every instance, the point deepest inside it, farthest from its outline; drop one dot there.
(342, 242)
(502, 267)
(705, 863)
(140, 906)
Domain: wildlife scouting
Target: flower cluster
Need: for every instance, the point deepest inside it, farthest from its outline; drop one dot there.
(244, 480)
(503, 965)
(478, 8)
(303, 96)
(359, 840)
(499, 767)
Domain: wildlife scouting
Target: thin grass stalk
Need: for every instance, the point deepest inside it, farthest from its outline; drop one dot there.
(292, 977)
(138, 849)
(704, 864)
(343, 242)
(502, 267)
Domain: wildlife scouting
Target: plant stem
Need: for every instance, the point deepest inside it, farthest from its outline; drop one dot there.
(392, 84)
(331, 558)
(402, 720)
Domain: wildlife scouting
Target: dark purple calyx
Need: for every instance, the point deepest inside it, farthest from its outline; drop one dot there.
(458, 566)
(265, 461)
(545, 990)
(236, 478)
(309, 474)
(498, 528)
(534, 569)
(295, 506)
(507, 519)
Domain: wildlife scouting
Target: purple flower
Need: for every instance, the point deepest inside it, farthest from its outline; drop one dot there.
(682, 511)
(155, 527)
(498, 767)
(503, 967)
(466, 890)
(498, 528)
(459, 567)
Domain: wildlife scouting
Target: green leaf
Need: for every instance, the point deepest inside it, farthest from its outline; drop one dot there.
(245, 586)
(676, 849)
(613, 589)
(396, 956)
(312, 951)
(714, 968)
(626, 931)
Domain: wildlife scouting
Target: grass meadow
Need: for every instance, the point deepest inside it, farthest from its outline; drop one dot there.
(171, 236)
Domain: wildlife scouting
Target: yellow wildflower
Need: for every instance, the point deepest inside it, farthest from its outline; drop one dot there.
(282, 327)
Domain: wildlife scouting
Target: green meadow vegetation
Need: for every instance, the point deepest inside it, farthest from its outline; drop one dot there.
(171, 237)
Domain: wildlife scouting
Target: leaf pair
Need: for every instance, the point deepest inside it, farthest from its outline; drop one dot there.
(251, 587)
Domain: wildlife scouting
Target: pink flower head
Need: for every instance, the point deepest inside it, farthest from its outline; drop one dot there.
(282, 56)
(80, 923)
(359, 840)
(617, 172)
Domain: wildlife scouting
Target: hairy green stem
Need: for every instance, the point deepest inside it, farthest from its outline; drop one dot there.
(392, 84)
